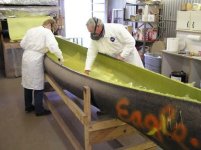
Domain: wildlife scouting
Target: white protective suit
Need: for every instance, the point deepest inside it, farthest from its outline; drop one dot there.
(36, 42)
(116, 41)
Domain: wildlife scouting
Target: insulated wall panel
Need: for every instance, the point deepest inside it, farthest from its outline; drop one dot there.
(23, 11)
(29, 2)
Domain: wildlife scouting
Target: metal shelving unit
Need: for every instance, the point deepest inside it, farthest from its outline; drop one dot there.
(145, 25)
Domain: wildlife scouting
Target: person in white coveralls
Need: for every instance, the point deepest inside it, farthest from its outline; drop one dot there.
(113, 40)
(36, 42)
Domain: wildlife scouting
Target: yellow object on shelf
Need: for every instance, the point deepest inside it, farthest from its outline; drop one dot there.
(183, 6)
(189, 6)
(17, 27)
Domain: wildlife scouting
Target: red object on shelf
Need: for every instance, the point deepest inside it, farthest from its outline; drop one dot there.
(152, 34)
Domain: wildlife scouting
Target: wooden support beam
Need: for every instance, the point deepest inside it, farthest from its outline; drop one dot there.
(71, 105)
(110, 133)
(87, 111)
(99, 125)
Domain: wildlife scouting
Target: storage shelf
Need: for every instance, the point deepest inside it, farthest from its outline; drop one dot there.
(145, 25)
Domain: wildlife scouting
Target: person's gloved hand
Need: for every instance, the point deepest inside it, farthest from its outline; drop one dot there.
(119, 57)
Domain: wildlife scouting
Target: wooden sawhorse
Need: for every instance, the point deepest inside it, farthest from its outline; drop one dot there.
(94, 131)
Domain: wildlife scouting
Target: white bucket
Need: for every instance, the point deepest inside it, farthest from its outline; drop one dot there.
(172, 44)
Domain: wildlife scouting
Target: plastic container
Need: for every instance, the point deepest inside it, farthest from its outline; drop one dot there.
(153, 62)
(172, 44)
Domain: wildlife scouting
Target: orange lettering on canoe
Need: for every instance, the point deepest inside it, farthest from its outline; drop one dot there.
(136, 119)
(122, 112)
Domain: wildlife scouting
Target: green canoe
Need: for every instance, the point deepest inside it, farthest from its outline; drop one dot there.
(167, 111)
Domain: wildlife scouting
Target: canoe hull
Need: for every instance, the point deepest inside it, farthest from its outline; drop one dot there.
(171, 123)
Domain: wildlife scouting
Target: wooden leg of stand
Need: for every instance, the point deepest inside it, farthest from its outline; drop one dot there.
(87, 111)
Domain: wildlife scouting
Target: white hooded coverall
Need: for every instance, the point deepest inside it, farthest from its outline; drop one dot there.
(36, 42)
(116, 41)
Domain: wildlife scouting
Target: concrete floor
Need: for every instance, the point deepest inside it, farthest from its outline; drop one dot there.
(22, 131)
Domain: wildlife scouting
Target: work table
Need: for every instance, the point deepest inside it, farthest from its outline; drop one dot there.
(172, 61)
(182, 55)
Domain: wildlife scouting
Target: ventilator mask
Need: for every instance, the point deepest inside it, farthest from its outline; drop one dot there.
(94, 35)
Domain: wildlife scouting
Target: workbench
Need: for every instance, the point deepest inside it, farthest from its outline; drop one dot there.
(12, 57)
(172, 61)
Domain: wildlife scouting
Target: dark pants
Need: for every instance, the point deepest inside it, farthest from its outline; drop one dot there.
(36, 96)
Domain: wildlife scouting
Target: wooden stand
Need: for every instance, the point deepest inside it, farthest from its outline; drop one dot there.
(94, 131)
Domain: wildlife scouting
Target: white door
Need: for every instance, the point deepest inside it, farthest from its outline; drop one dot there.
(196, 20)
(183, 20)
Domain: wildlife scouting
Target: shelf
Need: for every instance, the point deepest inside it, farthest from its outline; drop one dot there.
(142, 21)
(145, 41)
(183, 30)
(141, 4)
(183, 55)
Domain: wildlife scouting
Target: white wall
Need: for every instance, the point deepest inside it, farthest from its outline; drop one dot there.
(77, 12)
(114, 4)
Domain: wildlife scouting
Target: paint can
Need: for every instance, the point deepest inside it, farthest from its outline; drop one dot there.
(179, 76)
